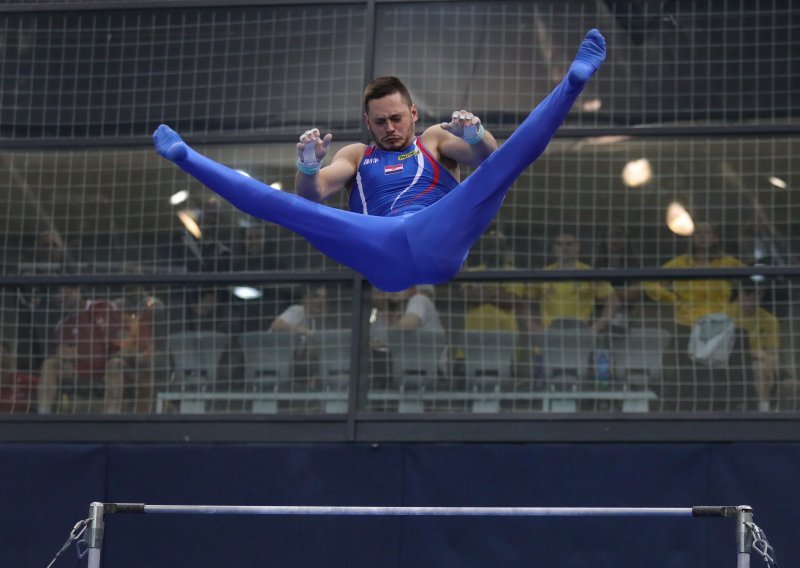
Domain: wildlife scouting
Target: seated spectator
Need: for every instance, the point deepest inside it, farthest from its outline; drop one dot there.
(17, 390)
(37, 307)
(617, 251)
(142, 345)
(50, 255)
(206, 309)
(209, 251)
(493, 306)
(420, 311)
(409, 310)
(578, 300)
(689, 386)
(304, 319)
(763, 339)
(85, 374)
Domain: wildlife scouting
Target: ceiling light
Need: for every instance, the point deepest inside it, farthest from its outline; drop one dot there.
(187, 218)
(179, 197)
(777, 182)
(679, 221)
(247, 293)
(636, 173)
(592, 105)
(276, 185)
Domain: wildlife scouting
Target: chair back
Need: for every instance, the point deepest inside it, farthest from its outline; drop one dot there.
(196, 356)
(639, 354)
(489, 358)
(268, 358)
(567, 351)
(332, 347)
(415, 357)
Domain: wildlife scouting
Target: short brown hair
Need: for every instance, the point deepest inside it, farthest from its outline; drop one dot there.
(383, 87)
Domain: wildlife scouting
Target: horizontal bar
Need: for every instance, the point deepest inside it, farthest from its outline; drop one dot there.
(768, 130)
(419, 511)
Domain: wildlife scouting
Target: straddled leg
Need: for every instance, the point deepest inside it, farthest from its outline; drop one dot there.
(374, 246)
(451, 226)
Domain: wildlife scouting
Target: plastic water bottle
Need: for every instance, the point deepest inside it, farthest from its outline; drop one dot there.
(602, 363)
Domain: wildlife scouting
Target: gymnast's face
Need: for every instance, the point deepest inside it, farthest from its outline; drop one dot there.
(391, 120)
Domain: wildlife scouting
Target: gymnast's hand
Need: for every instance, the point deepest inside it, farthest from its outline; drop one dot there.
(169, 144)
(465, 125)
(311, 149)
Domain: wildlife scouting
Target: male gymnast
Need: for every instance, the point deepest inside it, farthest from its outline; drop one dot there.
(411, 220)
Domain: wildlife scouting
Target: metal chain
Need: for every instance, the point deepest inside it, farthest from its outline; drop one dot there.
(761, 545)
(76, 533)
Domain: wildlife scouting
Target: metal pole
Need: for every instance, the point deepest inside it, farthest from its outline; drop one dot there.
(94, 536)
(417, 511)
(744, 539)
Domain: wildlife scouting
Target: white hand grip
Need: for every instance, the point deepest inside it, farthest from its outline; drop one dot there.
(309, 153)
(470, 131)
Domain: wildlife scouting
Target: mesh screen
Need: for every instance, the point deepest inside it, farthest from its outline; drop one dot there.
(121, 73)
(670, 62)
(272, 349)
(246, 69)
(72, 79)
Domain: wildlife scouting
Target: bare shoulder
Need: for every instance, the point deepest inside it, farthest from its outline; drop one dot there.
(436, 139)
(351, 153)
(433, 135)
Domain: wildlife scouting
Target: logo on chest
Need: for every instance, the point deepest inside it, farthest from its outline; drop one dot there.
(369, 161)
(393, 169)
(407, 155)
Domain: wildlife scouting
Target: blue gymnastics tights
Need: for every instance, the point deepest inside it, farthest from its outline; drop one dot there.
(427, 246)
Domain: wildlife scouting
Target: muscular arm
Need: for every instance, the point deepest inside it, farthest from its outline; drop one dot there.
(331, 178)
(456, 149)
(283, 325)
(408, 322)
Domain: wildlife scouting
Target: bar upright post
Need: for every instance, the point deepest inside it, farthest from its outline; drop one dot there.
(744, 538)
(95, 533)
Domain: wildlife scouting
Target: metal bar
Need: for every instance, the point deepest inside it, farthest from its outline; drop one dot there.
(421, 511)
(160, 5)
(197, 278)
(534, 275)
(359, 344)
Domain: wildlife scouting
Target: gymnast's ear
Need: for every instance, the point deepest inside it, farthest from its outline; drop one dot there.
(414, 112)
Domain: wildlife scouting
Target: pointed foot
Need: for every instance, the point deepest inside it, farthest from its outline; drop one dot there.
(169, 144)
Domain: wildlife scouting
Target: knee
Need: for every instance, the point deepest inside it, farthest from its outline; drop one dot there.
(442, 267)
(53, 368)
(114, 368)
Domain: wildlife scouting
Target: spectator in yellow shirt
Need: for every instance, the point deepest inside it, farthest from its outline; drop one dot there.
(576, 300)
(694, 299)
(688, 386)
(493, 306)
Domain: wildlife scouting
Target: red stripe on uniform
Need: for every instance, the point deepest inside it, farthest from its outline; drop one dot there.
(436, 172)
